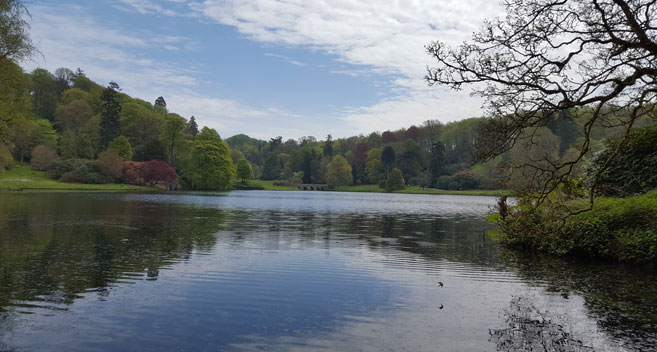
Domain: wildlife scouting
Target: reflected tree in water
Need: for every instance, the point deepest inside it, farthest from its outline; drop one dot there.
(531, 330)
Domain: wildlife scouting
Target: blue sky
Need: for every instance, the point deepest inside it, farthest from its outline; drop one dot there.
(267, 67)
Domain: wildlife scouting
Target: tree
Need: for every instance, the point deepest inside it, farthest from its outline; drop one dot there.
(157, 172)
(388, 137)
(209, 165)
(15, 41)
(410, 160)
(374, 168)
(14, 105)
(121, 145)
(72, 118)
(632, 171)
(160, 102)
(359, 157)
(307, 166)
(547, 56)
(431, 131)
(328, 147)
(395, 180)
(388, 157)
(44, 93)
(244, 170)
(110, 127)
(143, 127)
(172, 136)
(412, 133)
(272, 168)
(109, 163)
(338, 172)
(23, 135)
(275, 142)
(42, 157)
(437, 165)
(374, 140)
(64, 78)
(192, 127)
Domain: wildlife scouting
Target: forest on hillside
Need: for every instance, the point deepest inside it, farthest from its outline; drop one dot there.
(80, 131)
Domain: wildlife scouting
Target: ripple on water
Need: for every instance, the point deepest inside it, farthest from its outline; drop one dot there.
(293, 271)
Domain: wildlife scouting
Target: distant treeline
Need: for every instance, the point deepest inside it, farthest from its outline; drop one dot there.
(62, 121)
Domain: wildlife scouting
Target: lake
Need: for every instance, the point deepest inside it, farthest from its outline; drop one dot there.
(297, 271)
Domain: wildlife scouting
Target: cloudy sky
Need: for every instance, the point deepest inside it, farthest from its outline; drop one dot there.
(267, 67)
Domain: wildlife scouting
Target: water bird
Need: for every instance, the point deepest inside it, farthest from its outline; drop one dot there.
(440, 284)
(441, 307)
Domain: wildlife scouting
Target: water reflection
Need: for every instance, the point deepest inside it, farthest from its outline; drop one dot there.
(531, 330)
(296, 271)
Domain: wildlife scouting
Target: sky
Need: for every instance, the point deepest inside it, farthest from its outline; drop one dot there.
(267, 68)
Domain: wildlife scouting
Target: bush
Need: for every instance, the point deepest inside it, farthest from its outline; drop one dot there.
(458, 182)
(632, 171)
(131, 173)
(109, 163)
(5, 159)
(395, 180)
(157, 172)
(77, 170)
(622, 229)
(42, 158)
(73, 178)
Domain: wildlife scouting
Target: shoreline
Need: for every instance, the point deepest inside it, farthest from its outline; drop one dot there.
(268, 186)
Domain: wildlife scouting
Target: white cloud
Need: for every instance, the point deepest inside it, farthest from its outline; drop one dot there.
(377, 37)
(383, 37)
(287, 59)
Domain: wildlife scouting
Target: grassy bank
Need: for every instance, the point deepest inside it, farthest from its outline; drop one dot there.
(22, 177)
(620, 229)
(269, 186)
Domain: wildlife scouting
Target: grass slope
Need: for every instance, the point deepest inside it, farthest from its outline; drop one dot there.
(22, 177)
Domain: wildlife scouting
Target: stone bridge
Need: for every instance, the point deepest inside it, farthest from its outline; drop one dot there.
(312, 187)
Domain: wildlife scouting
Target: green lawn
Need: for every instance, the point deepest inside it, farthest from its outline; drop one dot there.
(22, 177)
(268, 185)
(419, 190)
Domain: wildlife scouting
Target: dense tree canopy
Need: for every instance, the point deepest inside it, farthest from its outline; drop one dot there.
(338, 172)
(209, 165)
(244, 170)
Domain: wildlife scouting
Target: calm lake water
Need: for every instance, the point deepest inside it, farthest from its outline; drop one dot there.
(288, 271)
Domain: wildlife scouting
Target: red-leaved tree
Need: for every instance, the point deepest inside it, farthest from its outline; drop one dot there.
(157, 172)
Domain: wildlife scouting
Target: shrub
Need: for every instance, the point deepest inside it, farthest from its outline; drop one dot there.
(158, 172)
(109, 164)
(622, 229)
(73, 178)
(5, 159)
(79, 169)
(395, 180)
(131, 173)
(42, 157)
(632, 171)
(458, 182)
